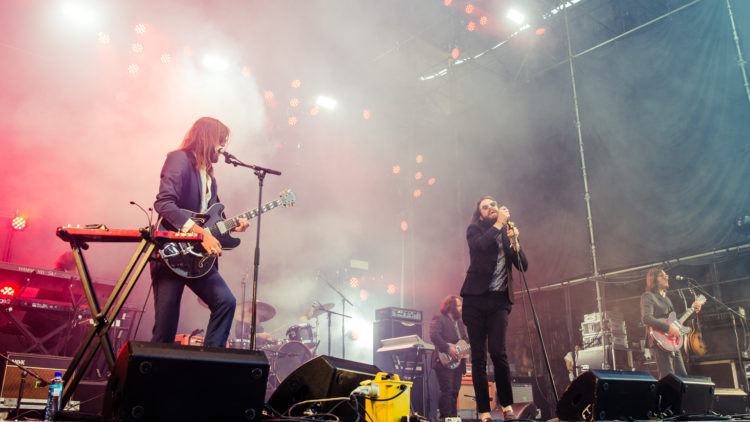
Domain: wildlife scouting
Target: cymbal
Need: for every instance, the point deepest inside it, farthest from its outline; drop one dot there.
(265, 311)
(318, 309)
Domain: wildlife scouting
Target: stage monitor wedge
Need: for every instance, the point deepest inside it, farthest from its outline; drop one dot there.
(160, 382)
(685, 395)
(323, 377)
(607, 395)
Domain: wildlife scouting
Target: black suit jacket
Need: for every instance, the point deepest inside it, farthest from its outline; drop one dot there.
(442, 332)
(483, 252)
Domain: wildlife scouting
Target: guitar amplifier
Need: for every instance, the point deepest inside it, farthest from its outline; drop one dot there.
(398, 314)
(34, 395)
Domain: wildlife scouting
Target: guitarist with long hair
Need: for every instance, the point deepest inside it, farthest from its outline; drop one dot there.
(655, 310)
(448, 334)
(188, 184)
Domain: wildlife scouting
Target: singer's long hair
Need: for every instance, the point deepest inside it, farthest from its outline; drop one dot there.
(449, 308)
(202, 139)
(477, 212)
(651, 276)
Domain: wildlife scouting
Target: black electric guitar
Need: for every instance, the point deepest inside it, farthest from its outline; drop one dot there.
(190, 260)
(669, 342)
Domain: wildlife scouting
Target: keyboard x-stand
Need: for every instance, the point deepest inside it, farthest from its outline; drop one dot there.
(104, 317)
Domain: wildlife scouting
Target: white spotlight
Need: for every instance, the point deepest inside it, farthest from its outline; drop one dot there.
(215, 62)
(78, 13)
(326, 102)
(515, 16)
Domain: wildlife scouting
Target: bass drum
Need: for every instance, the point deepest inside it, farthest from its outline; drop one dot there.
(288, 357)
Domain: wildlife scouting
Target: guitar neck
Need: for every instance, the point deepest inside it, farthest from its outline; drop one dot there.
(233, 222)
(686, 315)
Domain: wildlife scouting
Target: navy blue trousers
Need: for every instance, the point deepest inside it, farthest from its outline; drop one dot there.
(211, 288)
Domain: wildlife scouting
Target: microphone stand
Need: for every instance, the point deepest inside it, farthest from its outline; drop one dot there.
(734, 314)
(517, 247)
(344, 301)
(24, 371)
(260, 172)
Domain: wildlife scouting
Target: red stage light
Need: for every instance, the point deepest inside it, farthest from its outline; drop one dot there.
(268, 95)
(447, 2)
(455, 52)
(8, 290)
(363, 294)
(166, 58)
(294, 102)
(471, 26)
(296, 83)
(314, 111)
(140, 29)
(404, 226)
(133, 68)
(18, 222)
(419, 158)
(354, 282)
(292, 121)
(483, 20)
(396, 169)
(469, 8)
(137, 48)
(391, 289)
(366, 114)
(431, 181)
(418, 175)
(417, 193)
(540, 31)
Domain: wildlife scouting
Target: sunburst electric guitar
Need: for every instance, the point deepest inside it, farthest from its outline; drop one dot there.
(669, 342)
(190, 260)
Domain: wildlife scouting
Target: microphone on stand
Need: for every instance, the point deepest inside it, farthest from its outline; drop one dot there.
(227, 156)
(679, 277)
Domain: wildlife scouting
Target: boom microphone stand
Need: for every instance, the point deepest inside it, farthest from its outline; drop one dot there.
(260, 172)
(733, 313)
(517, 247)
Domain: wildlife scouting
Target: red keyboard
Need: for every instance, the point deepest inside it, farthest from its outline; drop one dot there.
(122, 235)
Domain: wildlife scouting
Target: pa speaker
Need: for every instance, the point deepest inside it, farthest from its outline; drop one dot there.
(322, 378)
(601, 394)
(685, 395)
(158, 382)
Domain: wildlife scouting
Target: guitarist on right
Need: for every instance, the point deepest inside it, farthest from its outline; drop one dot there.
(448, 334)
(655, 309)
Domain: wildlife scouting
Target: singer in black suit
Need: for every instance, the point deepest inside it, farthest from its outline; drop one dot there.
(187, 183)
(488, 297)
(446, 329)
(655, 306)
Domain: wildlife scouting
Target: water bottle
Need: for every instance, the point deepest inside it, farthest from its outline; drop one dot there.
(53, 397)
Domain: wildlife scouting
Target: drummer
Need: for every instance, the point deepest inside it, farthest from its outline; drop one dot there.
(242, 331)
(262, 338)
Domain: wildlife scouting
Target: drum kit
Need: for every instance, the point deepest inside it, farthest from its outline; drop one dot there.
(287, 354)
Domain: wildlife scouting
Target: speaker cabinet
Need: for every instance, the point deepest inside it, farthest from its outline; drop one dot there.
(158, 382)
(685, 395)
(467, 398)
(601, 394)
(321, 378)
(730, 401)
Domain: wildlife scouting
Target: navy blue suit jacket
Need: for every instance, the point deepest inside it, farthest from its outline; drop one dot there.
(180, 188)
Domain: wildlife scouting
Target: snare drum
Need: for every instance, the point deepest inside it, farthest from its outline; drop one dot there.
(302, 333)
(287, 357)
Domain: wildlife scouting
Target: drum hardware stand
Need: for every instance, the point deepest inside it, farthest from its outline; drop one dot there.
(24, 371)
(344, 301)
(260, 172)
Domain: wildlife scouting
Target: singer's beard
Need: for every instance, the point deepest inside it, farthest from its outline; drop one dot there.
(490, 220)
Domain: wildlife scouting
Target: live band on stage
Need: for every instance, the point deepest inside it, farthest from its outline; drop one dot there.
(463, 362)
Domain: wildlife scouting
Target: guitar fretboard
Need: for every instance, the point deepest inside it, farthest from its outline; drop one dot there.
(233, 222)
